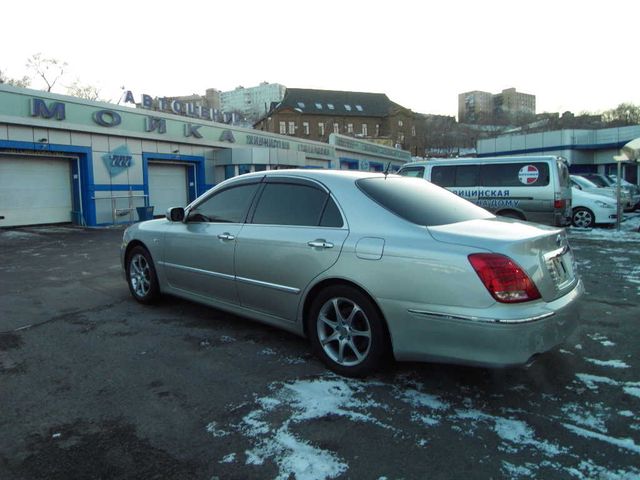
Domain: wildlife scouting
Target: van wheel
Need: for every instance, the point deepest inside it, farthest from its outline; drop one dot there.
(582, 218)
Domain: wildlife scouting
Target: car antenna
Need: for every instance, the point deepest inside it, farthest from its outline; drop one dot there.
(386, 170)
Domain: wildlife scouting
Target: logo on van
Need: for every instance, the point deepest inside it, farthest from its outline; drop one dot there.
(528, 174)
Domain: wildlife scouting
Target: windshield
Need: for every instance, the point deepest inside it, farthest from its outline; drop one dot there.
(420, 201)
(583, 182)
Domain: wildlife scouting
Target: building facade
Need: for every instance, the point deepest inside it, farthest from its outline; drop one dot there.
(316, 114)
(484, 107)
(253, 102)
(65, 159)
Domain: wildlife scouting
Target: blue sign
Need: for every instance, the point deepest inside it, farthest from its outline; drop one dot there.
(118, 160)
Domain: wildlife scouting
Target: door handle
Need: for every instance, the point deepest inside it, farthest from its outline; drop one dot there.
(320, 244)
(226, 236)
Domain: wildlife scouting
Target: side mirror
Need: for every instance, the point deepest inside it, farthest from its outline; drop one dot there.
(175, 214)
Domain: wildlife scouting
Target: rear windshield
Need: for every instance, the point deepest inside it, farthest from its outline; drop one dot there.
(419, 201)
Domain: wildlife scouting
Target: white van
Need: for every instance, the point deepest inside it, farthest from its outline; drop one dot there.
(536, 189)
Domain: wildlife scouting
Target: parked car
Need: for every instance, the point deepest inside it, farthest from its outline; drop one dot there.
(633, 188)
(602, 181)
(365, 265)
(590, 209)
(588, 186)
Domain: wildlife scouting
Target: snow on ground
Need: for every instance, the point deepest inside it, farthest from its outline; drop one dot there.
(628, 231)
(404, 408)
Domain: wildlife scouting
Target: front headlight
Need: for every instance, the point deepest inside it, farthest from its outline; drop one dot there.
(604, 204)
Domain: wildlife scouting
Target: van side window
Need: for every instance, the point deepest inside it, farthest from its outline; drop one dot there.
(534, 174)
(444, 176)
(467, 175)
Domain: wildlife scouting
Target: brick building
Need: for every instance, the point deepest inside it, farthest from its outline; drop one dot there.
(315, 114)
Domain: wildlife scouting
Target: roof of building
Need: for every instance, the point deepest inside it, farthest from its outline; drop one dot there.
(336, 102)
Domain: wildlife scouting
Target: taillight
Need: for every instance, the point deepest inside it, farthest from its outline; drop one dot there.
(559, 204)
(505, 280)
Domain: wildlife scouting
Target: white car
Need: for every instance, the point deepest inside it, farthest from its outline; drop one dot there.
(588, 186)
(589, 209)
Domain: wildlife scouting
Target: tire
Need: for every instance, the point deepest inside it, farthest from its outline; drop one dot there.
(347, 332)
(582, 218)
(141, 276)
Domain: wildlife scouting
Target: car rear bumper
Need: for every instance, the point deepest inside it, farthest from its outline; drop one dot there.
(428, 336)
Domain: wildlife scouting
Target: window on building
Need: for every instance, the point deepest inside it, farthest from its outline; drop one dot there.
(301, 104)
(364, 130)
(359, 108)
(330, 106)
(336, 128)
(319, 106)
(292, 128)
(400, 123)
(283, 128)
(305, 128)
(349, 127)
(401, 137)
(377, 129)
(413, 130)
(321, 129)
(347, 107)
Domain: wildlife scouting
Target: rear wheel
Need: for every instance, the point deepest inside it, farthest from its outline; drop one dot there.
(141, 276)
(582, 218)
(347, 332)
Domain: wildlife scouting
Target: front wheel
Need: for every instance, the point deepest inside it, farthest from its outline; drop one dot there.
(582, 218)
(141, 276)
(347, 332)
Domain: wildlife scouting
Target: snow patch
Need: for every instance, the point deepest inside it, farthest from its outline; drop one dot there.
(626, 443)
(607, 363)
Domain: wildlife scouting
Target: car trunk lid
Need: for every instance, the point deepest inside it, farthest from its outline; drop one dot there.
(542, 252)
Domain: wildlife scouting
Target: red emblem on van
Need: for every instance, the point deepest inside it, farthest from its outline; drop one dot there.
(528, 174)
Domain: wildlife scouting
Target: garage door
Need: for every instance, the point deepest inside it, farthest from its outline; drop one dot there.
(167, 186)
(34, 191)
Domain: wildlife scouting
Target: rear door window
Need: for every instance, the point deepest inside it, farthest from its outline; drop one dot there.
(291, 204)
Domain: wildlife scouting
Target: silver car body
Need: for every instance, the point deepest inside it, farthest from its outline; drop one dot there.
(433, 302)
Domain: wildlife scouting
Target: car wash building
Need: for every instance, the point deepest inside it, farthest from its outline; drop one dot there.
(65, 159)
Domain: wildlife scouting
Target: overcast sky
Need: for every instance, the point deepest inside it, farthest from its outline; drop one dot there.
(578, 56)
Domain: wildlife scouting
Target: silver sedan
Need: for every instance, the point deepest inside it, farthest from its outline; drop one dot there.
(368, 266)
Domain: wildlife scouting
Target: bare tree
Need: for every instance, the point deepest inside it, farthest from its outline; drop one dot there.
(88, 92)
(49, 69)
(16, 82)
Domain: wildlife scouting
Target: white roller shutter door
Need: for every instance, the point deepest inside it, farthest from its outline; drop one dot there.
(34, 191)
(167, 186)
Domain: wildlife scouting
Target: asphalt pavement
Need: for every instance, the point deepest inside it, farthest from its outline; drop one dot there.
(96, 386)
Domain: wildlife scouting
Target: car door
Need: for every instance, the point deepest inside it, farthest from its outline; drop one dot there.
(199, 252)
(295, 232)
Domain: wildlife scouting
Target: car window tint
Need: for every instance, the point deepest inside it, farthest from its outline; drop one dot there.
(412, 172)
(229, 205)
(331, 216)
(289, 204)
(420, 202)
(512, 174)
